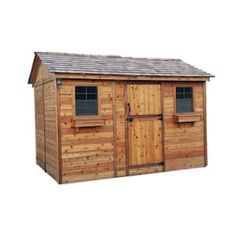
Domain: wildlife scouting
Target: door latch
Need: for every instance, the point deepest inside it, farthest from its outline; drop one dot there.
(130, 119)
(160, 116)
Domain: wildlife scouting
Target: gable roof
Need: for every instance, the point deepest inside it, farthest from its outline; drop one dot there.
(116, 65)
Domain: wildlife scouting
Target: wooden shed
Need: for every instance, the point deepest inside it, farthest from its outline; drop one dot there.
(108, 116)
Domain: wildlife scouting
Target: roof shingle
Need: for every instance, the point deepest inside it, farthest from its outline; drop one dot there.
(116, 65)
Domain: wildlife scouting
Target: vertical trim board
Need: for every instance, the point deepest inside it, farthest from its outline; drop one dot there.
(205, 123)
(114, 127)
(58, 134)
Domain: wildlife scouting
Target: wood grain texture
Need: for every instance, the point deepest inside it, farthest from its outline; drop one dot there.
(144, 99)
(188, 117)
(42, 74)
(120, 128)
(51, 138)
(39, 126)
(90, 150)
(184, 163)
(146, 170)
(46, 122)
(205, 122)
(59, 141)
(183, 140)
(88, 123)
(163, 125)
(128, 78)
(145, 142)
(145, 130)
(115, 153)
(72, 148)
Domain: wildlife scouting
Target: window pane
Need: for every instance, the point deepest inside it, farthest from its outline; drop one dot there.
(184, 101)
(91, 107)
(179, 90)
(80, 108)
(188, 90)
(179, 95)
(80, 96)
(86, 100)
(92, 96)
(92, 89)
(188, 95)
(184, 105)
(86, 108)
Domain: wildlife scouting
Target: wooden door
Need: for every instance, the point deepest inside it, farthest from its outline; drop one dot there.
(144, 124)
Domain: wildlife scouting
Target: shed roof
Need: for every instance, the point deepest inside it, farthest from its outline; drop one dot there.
(117, 65)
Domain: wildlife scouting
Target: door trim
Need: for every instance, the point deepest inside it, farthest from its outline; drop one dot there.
(126, 129)
(163, 125)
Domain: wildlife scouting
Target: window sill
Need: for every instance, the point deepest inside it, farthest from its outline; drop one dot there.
(188, 117)
(88, 121)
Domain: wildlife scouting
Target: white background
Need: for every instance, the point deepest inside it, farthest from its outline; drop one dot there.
(190, 202)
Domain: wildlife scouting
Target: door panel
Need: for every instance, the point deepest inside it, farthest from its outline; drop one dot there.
(145, 142)
(144, 99)
(144, 124)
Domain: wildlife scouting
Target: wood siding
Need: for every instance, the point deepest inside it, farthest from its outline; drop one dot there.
(87, 152)
(42, 75)
(72, 148)
(39, 126)
(184, 142)
(46, 123)
(51, 139)
(101, 151)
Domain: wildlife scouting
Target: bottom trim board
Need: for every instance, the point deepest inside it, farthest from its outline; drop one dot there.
(85, 177)
(146, 170)
(184, 163)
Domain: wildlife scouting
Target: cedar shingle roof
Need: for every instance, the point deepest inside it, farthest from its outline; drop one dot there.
(116, 65)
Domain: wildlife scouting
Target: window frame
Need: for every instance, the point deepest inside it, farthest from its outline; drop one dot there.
(98, 102)
(184, 86)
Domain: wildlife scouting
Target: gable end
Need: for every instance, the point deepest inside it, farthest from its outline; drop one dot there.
(39, 71)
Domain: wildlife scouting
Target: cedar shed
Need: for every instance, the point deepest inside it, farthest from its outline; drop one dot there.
(110, 116)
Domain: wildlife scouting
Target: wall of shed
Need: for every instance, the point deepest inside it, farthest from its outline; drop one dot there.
(46, 123)
(185, 145)
(93, 152)
(100, 152)
(39, 126)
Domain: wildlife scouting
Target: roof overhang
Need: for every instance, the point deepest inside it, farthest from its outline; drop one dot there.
(63, 74)
(34, 69)
(75, 76)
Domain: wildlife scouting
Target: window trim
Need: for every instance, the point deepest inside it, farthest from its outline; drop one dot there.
(83, 117)
(175, 99)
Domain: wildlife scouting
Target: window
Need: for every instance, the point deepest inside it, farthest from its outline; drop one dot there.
(184, 99)
(86, 98)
